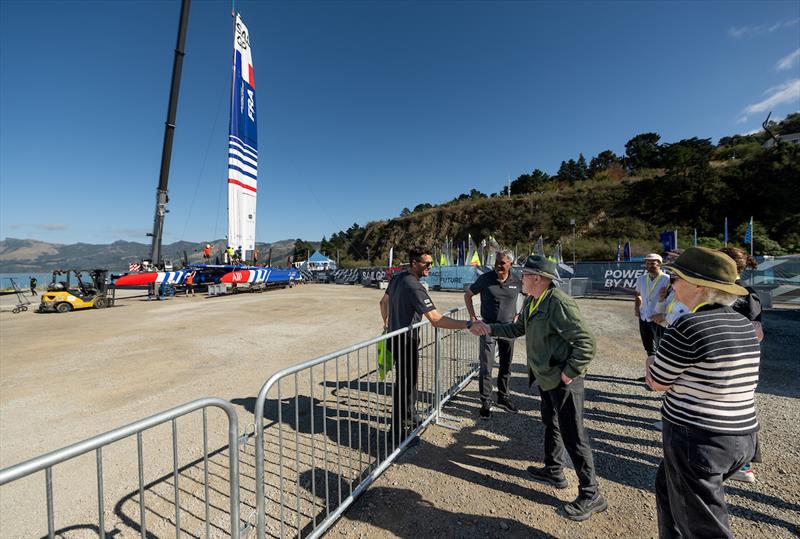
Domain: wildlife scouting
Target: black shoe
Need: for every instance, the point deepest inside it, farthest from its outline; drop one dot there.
(583, 508)
(486, 410)
(507, 405)
(543, 476)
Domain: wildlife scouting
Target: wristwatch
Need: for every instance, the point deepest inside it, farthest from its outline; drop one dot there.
(469, 324)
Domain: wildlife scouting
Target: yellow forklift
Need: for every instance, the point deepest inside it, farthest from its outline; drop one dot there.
(63, 296)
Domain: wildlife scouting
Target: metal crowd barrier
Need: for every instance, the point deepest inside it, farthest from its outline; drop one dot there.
(324, 428)
(48, 461)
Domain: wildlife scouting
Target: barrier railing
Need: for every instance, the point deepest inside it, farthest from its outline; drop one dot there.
(48, 461)
(328, 427)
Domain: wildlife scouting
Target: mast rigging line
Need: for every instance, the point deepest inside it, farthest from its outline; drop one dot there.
(205, 159)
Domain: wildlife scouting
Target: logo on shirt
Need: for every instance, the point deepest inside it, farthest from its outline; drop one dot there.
(428, 302)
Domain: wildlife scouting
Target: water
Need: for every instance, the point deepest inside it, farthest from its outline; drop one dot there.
(23, 279)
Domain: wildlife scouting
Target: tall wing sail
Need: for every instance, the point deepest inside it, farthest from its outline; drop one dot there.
(242, 146)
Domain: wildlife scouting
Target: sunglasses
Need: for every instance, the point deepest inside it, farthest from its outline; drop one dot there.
(425, 264)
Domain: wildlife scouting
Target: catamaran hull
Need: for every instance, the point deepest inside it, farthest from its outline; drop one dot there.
(260, 275)
(152, 277)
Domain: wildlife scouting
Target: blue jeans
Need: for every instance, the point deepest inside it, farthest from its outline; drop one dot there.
(690, 496)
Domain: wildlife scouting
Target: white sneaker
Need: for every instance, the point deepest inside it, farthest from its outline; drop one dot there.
(744, 474)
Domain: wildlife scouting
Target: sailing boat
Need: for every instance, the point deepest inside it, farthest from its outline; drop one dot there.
(242, 186)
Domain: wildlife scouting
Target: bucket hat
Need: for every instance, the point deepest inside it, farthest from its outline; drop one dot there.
(539, 265)
(654, 256)
(706, 267)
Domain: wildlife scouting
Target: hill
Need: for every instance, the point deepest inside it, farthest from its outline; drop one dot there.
(690, 185)
(25, 255)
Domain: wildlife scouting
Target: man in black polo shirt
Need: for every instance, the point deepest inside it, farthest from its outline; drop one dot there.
(499, 290)
(404, 303)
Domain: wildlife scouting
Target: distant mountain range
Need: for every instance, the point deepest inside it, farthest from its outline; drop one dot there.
(25, 255)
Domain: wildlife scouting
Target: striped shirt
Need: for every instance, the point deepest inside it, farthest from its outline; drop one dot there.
(710, 359)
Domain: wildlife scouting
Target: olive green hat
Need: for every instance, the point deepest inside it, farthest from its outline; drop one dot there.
(702, 266)
(539, 265)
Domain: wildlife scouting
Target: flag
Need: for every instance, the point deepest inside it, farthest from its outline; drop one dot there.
(134, 267)
(619, 250)
(460, 254)
(626, 252)
(748, 234)
(242, 145)
(669, 240)
(725, 236)
(391, 255)
(539, 249)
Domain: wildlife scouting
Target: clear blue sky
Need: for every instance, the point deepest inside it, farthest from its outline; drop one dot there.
(364, 108)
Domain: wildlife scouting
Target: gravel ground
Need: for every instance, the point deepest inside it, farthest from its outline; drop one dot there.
(471, 482)
(67, 377)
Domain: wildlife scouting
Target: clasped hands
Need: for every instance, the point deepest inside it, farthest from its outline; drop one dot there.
(479, 328)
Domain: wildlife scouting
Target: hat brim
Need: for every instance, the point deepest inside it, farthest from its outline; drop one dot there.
(542, 273)
(725, 287)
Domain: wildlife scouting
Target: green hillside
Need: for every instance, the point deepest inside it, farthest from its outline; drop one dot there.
(687, 185)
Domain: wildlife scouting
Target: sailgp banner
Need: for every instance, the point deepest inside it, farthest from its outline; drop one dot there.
(242, 146)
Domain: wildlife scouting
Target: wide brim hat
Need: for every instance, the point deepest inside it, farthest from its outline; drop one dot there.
(702, 266)
(539, 265)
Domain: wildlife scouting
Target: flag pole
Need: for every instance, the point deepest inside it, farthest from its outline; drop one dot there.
(752, 235)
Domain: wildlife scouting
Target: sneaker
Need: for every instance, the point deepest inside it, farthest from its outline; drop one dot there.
(543, 476)
(583, 508)
(744, 474)
(507, 405)
(486, 410)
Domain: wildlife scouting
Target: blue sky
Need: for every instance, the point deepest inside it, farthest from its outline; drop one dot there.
(364, 108)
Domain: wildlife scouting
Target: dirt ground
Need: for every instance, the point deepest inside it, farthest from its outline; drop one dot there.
(66, 377)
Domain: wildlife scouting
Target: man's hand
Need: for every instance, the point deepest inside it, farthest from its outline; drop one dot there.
(658, 318)
(480, 327)
(566, 379)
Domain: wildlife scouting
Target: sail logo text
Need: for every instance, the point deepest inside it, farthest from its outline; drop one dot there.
(251, 105)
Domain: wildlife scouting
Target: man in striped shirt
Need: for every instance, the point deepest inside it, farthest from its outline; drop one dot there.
(707, 362)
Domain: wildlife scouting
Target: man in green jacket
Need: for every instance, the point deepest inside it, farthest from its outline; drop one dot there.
(559, 349)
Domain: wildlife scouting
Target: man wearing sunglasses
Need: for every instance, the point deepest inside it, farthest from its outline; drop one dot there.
(404, 304)
(499, 290)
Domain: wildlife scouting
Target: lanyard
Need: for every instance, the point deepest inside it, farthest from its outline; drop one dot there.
(699, 305)
(534, 305)
(655, 282)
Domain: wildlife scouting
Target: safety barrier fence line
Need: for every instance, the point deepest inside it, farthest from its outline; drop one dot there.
(447, 361)
(358, 396)
(48, 461)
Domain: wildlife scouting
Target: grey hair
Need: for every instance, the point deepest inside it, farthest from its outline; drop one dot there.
(506, 253)
(718, 297)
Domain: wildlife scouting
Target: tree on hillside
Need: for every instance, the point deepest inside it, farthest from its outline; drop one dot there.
(686, 154)
(581, 168)
(529, 183)
(302, 250)
(643, 151)
(571, 171)
(602, 162)
(420, 207)
(405, 212)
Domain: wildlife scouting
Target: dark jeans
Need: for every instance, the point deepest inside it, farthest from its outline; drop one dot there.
(690, 497)
(651, 333)
(562, 415)
(405, 355)
(486, 357)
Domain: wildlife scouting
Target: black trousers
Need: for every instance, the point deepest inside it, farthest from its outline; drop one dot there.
(650, 333)
(405, 356)
(486, 349)
(690, 497)
(562, 415)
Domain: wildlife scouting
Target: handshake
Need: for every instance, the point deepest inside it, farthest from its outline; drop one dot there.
(479, 327)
